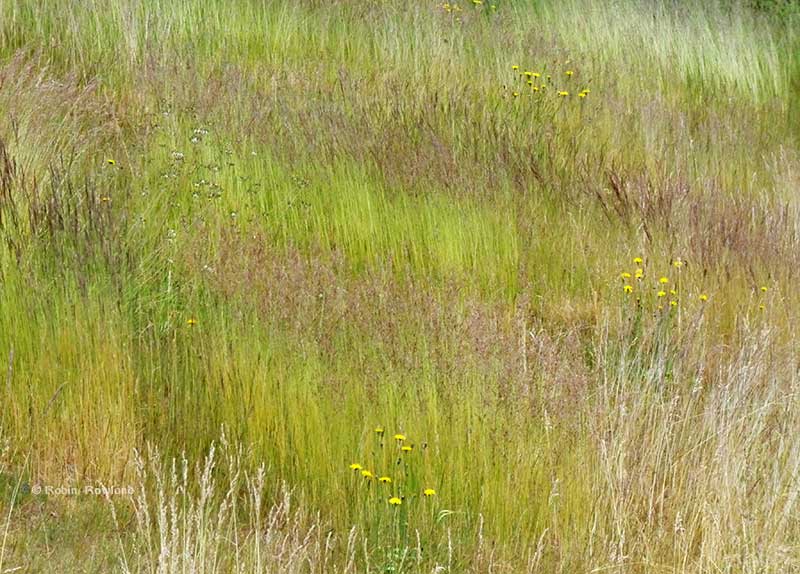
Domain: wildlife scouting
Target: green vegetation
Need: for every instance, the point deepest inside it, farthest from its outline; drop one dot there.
(236, 234)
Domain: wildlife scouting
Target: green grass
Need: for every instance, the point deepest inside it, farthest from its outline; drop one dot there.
(320, 218)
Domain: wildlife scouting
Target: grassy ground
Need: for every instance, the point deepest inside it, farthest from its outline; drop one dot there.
(554, 244)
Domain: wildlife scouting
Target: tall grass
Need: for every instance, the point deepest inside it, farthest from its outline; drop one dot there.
(299, 221)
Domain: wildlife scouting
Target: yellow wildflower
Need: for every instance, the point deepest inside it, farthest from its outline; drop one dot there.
(355, 466)
(704, 297)
(379, 430)
(569, 72)
(429, 492)
(764, 289)
(662, 293)
(628, 289)
(673, 303)
(563, 94)
(625, 275)
(400, 437)
(191, 322)
(638, 260)
(384, 480)
(406, 448)
(663, 280)
(111, 162)
(639, 274)
(394, 501)
(678, 263)
(367, 474)
(515, 68)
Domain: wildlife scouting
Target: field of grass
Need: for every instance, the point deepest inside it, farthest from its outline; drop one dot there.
(555, 245)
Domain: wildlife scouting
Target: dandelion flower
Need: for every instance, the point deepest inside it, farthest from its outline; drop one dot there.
(569, 73)
(367, 474)
(678, 263)
(379, 430)
(673, 303)
(110, 161)
(406, 448)
(400, 437)
(637, 260)
(515, 68)
(625, 275)
(537, 75)
(663, 280)
(662, 293)
(429, 492)
(515, 94)
(703, 297)
(628, 289)
(355, 466)
(581, 95)
(563, 94)
(394, 501)
(529, 74)
(191, 322)
(673, 292)
(384, 480)
(639, 274)
(764, 289)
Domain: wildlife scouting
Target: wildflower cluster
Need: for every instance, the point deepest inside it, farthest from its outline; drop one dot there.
(450, 8)
(663, 292)
(399, 479)
(538, 83)
(456, 8)
(762, 294)
(667, 289)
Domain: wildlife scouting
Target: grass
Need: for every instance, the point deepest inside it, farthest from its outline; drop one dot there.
(238, 238)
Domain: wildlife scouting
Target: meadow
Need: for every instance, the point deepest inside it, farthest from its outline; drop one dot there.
(399, 287)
